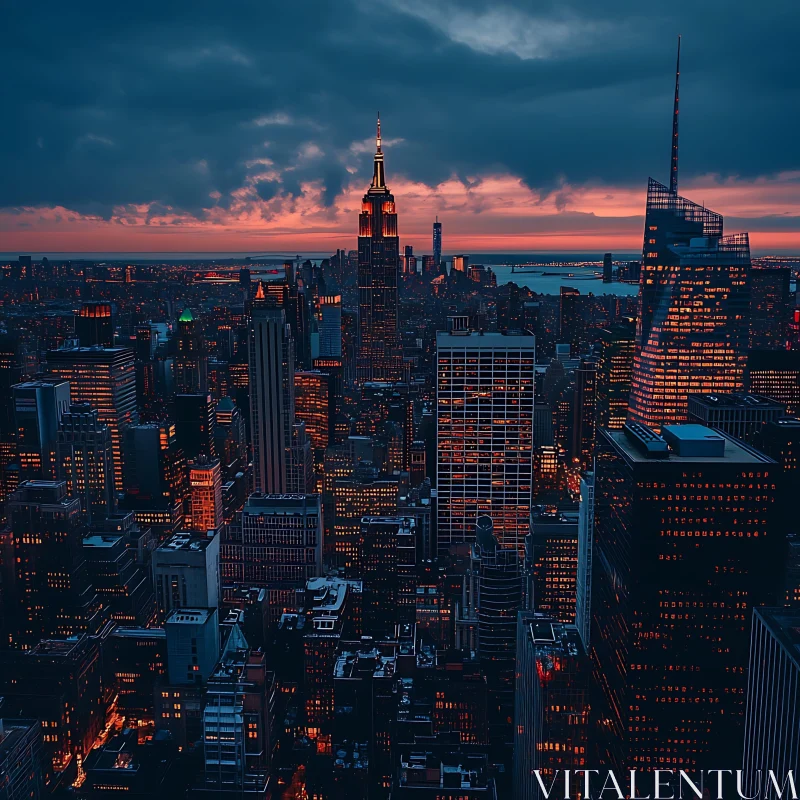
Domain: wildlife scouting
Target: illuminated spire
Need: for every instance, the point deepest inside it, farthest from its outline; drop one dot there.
(673, 173)
(260, 291)
(378, 175)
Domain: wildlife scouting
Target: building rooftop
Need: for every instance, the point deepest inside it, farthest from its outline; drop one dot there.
(474, 339)
(736, 401)
(191, 542)
(189, 616)
(281, 503)
(683, 444)
(102, 541)
(784, 625)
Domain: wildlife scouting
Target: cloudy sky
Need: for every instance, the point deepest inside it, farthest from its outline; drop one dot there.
(525, 125)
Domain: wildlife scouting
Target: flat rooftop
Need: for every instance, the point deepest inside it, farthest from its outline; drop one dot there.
(189, 616)
(734, 452)
(736, 401)
(493, 340)
(193, 542)
(784, 625)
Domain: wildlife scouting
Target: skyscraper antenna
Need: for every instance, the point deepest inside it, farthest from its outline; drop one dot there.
(378, 138)
(673, 173)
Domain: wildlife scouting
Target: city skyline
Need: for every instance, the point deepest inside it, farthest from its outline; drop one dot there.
(569, 116)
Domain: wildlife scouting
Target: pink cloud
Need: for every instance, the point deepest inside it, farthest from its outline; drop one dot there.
(492, 212)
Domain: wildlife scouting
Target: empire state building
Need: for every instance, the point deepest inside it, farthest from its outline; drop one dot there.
(379, 355)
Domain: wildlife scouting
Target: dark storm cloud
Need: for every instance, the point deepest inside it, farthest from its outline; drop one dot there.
(179, 104)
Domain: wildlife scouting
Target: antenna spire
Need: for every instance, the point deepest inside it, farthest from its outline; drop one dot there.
(378, 174)
(378, 137)
(673, 173)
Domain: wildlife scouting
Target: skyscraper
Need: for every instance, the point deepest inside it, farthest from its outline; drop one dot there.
(280, 548)
(205, 494)
(570, 320)
(485, 392)
(86, 461)
(330, 327)
(38, 408)
(608, 268)
(379, 355)
(775, 374)
(51, 595)
(551, 719)
(191, 360)
(437, 243)
(684, 547)
(773, 703)
(771, 305)
(106, 378)
(617, 348)
(694, 299)
(195, 424)
(271, 395)
(94, 325)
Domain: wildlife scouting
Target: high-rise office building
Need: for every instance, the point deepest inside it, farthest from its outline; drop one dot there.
(389, 571)
(437, 243)
(608, 268)
(684, 547)
(271, 395)
(186, 572)
(94, 325)
(238, 721)
(614, 367)
(330, 326)
(499, 599)
(583, 580)
(205, 494)
(775, 374)
(191, 359)
(571, 323)
(771, 306)
(230, 437)
(315, 405)
(155, 475)
(551, 564)
(106, 378)
(551, 708)
(280, 548)
(584, 413)
(692, 328)
(739, 415)
(195, 424)
(38, 408)
(51, 595)
(485, 392)
(86, 461)
(694, 300)
(379, 356)
(773, 704)
(460, 263)
(192, 645)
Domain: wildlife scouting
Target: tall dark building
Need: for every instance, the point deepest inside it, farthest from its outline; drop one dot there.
(584, 413)
(437, 243)
(191, 360)
(86, 461)
(551, 719)
(38, 408)
(739, 415)
(570, 320)
(94, 325)
(106, 378)
(379, 355)
(52, 595)
(614, 367)
(499, 600)
(773, 703)
(775, 374)
(271, 395)
(389, 570)
(195, 424)
(684, 548)
(608, 268)
(771, 306)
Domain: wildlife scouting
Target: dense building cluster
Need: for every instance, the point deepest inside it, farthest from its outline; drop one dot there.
(372, 526)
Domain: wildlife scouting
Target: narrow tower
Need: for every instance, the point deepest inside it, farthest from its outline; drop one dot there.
(673, 169)
(379, 354)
